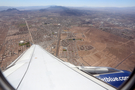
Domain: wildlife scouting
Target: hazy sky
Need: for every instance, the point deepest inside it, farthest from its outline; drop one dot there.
(89, 3)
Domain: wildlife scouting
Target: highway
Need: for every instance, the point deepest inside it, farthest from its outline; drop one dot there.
(29, 30)
(124, 60)
(58, 43)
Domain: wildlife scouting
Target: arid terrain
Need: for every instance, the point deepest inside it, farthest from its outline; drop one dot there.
(81, 37)
(10, 47)
(98, 48)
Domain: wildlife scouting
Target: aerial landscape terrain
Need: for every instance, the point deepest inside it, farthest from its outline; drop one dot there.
(103, 37)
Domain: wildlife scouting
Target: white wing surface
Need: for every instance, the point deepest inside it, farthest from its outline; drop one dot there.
(37, 69)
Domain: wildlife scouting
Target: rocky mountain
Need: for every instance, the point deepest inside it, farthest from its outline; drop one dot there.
(64, 11)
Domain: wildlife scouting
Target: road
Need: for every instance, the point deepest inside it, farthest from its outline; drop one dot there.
(29, 31)
(58, 43)
(124, 60)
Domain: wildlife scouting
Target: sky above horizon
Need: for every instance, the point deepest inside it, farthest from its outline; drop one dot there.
(76, 3)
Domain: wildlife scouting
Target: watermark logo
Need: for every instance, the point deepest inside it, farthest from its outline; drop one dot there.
(113, 79)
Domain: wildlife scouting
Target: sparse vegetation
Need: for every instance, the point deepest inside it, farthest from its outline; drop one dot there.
(22, 25)
(27, 44)
(64, 50)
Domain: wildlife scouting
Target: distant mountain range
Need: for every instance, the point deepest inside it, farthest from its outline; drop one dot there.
(43, 7)
(64, 11)
(11, 10)
(70, 11)
(4, 8)
(24, 8)
(60, 10)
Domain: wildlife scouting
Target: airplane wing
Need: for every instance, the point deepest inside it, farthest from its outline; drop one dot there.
(36, 69)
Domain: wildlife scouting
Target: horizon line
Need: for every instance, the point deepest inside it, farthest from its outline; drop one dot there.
(73, 6)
